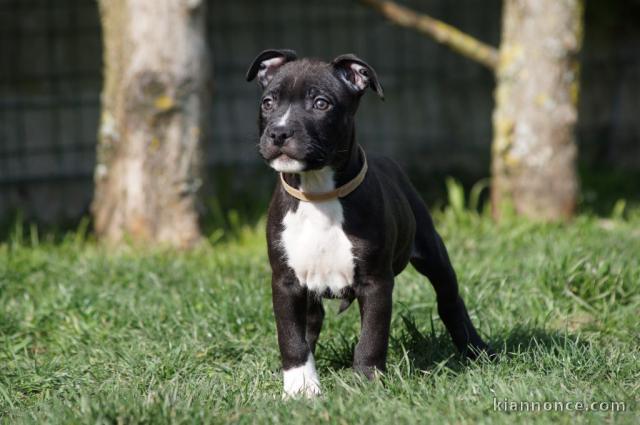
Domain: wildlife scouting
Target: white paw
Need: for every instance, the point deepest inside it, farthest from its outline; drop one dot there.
(302, 380)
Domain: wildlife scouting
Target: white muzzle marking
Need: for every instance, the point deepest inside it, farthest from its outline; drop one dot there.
(284, 164)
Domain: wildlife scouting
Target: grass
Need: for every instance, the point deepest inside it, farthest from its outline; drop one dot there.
(88, 335)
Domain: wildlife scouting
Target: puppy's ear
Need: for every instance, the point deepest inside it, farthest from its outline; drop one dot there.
(357, 74)
(267, 63)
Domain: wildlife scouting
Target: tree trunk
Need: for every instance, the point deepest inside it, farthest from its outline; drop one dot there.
(534, 152)
(147, 171)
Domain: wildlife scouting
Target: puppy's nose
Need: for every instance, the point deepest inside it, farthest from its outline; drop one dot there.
(280, 134)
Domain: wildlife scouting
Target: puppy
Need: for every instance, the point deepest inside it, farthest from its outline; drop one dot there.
(341, 223)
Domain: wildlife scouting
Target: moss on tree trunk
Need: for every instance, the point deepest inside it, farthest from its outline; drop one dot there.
(147, 171)
(534, 152)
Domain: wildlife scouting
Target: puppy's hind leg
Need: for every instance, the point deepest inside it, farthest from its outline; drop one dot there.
(430, 258)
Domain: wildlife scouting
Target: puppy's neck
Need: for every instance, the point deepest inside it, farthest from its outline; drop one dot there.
(328, 178)
(317, 181)
(350, 165)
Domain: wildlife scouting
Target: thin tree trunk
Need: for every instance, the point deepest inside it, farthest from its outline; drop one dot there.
(534, 151)
(147, 171)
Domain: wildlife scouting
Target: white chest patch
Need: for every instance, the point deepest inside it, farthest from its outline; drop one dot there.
(316, 247)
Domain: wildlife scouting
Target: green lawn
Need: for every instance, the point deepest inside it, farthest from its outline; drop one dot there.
(88, 335)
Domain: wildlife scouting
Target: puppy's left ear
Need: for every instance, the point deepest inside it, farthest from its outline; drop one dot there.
(267, 63)
(357, 74)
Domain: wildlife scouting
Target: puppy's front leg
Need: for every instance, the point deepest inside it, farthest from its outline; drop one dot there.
(290, 308)
(375, 300)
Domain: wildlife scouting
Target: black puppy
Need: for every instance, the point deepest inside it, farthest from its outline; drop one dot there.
(341, 224)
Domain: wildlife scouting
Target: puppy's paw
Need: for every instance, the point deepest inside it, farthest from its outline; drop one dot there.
(302, 381)
(481, 351)
(307, 389)
(370, 372)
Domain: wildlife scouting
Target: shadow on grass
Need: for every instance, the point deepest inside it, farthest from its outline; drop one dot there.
(528, 338)
(427, 351)
(338, 353)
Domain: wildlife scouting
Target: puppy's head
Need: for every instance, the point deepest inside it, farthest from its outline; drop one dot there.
(307, 107)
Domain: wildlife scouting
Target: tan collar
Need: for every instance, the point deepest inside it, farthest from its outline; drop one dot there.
(339, 192)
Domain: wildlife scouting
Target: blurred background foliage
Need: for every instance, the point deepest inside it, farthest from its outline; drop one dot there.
(436, 121)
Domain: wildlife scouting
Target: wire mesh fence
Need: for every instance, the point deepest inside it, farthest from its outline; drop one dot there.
(437, 112)
(49, 87)
(428, 88)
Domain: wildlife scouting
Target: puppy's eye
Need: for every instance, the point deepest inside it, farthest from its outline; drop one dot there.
(267, 103)
(321, 104)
